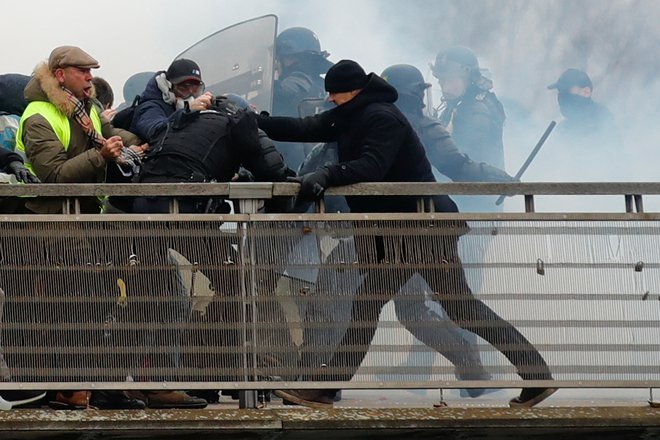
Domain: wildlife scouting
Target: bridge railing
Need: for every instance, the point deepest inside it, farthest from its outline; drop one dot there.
(264, 301)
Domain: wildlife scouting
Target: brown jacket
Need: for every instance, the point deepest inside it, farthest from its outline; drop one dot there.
(80, 163)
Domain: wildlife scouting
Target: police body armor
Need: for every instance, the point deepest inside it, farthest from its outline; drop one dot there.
(194, 148)
(211, 145)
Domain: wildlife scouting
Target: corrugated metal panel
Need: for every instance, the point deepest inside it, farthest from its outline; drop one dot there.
(207, 301)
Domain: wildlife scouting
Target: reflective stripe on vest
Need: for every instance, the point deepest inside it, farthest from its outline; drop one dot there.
(57, 120)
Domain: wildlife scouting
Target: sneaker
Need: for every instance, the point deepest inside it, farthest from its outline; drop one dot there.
(115, 400)
(475, 392)
(12, 399)
(168, 399)
(71, 400)
(320, 399)
(531, 396)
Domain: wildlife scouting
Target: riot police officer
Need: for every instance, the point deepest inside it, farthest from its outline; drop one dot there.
(300, 64)
(440, 148)
(471, 112)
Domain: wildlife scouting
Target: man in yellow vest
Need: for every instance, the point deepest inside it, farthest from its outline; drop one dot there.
(62, 139)
(61, 135)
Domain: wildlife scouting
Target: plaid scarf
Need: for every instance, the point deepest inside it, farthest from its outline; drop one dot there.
(128, 162)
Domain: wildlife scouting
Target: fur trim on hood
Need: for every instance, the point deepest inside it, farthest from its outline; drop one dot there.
(43, 86)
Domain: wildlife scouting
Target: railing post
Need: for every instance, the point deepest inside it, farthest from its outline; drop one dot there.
(248, 398)
(529, 203)
(420, 204)
(174, 205)
(629, 203)
(639, 204)
(320, 206)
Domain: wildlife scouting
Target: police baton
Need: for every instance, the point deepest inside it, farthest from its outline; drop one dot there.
(531, 157)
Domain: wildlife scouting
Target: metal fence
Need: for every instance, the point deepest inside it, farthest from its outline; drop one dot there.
(265, 301)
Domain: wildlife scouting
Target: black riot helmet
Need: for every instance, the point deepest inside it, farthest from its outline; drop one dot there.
(457, 61)
(301, 43)
(298, 40)
(240, 102)
(406, 79)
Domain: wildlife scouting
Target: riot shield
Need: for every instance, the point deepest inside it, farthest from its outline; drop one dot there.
(313, 106)
(239, 59)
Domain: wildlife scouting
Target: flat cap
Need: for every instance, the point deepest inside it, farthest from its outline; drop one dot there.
(66, 56)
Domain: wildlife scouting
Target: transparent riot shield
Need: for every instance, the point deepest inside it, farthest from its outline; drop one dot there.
(239, 59)
(313, 106)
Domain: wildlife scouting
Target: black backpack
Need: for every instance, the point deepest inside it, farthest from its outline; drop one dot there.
(124, 118)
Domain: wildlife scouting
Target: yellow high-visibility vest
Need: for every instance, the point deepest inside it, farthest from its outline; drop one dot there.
(57, 120)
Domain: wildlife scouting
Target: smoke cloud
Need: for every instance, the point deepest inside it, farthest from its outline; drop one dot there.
(524, 45)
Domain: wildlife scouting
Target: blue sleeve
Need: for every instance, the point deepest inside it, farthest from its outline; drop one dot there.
(149, 119)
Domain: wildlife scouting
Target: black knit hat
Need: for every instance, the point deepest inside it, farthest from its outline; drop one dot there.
(345, 76)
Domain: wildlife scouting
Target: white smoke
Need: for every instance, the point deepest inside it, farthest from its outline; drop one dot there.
(524, 44)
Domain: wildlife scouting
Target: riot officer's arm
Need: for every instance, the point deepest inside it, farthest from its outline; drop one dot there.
(317, 128)
(294, 87)
(266, 163)
(472, 171)
(460, 168)
(49, 159)
(446, 157)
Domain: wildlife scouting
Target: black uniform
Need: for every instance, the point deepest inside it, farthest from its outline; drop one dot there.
(476, 122)
(288, 92)
(209, 146)
(441, 149)
(377, 144)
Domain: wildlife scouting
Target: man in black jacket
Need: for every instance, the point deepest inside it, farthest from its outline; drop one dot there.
(377, 144)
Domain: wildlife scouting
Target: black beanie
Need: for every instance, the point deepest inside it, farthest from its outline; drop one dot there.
(345, 76)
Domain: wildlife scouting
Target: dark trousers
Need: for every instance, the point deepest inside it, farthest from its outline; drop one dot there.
(389, 261)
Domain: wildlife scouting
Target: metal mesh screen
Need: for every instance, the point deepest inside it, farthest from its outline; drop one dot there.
(372, 301)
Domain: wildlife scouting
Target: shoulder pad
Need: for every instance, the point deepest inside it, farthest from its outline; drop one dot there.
(432, 129)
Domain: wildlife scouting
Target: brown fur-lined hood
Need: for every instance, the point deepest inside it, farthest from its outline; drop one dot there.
(43, 86)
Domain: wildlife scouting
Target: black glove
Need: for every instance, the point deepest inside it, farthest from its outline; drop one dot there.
(312, 185)
(243, 175)
(22, 174)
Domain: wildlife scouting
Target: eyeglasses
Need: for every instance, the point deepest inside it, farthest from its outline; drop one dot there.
(189, 88)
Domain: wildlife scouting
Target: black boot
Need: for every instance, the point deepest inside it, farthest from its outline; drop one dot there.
(115, 400)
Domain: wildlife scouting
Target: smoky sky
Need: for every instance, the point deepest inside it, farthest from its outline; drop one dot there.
(524, 45)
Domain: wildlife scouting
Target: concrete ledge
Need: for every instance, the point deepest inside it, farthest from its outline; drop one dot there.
(40, 420)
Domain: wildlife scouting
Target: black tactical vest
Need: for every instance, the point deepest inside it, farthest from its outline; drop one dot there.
(194, 148)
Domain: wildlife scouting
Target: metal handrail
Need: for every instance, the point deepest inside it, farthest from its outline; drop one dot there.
(269, 190)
